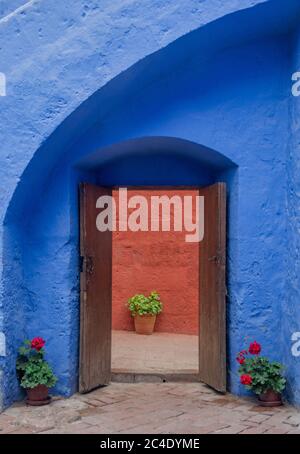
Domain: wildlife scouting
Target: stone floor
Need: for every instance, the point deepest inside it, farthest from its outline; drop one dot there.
(146, 408)
(160, 352)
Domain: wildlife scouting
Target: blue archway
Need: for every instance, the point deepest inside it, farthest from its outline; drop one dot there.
(147, 124)
(49, 245)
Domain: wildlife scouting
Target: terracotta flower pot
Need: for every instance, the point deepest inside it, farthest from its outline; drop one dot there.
(270, 399)
(144, 324)
(38, 396)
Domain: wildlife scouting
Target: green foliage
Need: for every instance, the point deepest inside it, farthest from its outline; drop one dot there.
(266, 375)
(145, 305)
(32, 368)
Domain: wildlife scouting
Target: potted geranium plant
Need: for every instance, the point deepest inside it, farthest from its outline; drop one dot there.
(34, 373)
(263, 377)
(144, 309)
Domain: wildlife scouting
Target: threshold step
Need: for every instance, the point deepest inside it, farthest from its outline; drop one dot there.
(154, 377)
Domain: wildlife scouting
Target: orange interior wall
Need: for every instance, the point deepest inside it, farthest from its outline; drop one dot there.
(161, 261)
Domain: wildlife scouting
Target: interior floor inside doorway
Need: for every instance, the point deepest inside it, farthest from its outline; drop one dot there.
(164, 353)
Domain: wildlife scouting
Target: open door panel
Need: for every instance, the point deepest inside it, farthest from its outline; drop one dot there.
(95, 293)
(212, 289)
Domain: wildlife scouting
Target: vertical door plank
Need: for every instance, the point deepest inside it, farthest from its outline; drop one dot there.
(95, 293)
(212, 289)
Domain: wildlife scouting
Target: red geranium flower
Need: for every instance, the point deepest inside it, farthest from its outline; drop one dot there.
(254, 348)
(37, 343)
(240, 359)
(246, 379)
(241, 356)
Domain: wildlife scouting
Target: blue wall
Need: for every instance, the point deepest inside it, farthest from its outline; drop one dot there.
(291, 313)
(9, 6)
(226, 86)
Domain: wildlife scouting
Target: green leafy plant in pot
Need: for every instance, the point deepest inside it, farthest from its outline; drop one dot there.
(34, 373)
(144, 309)
(263, 377)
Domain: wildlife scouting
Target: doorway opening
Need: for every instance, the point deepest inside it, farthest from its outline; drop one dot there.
(101, 294)
(157, 260)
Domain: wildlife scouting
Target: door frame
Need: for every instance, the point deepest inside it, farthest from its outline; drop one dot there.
(221, 385)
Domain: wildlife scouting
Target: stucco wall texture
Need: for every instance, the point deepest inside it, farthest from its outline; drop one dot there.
(83, 77)
(161, 261)
(290, 303)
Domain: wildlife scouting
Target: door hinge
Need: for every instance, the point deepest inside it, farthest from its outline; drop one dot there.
(81, 262)
(88, 261)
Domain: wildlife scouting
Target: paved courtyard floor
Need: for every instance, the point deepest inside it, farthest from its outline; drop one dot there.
(159, 353)
(146, 408)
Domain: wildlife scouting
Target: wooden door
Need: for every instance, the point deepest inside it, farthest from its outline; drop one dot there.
(212, 290)
(95, 293)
